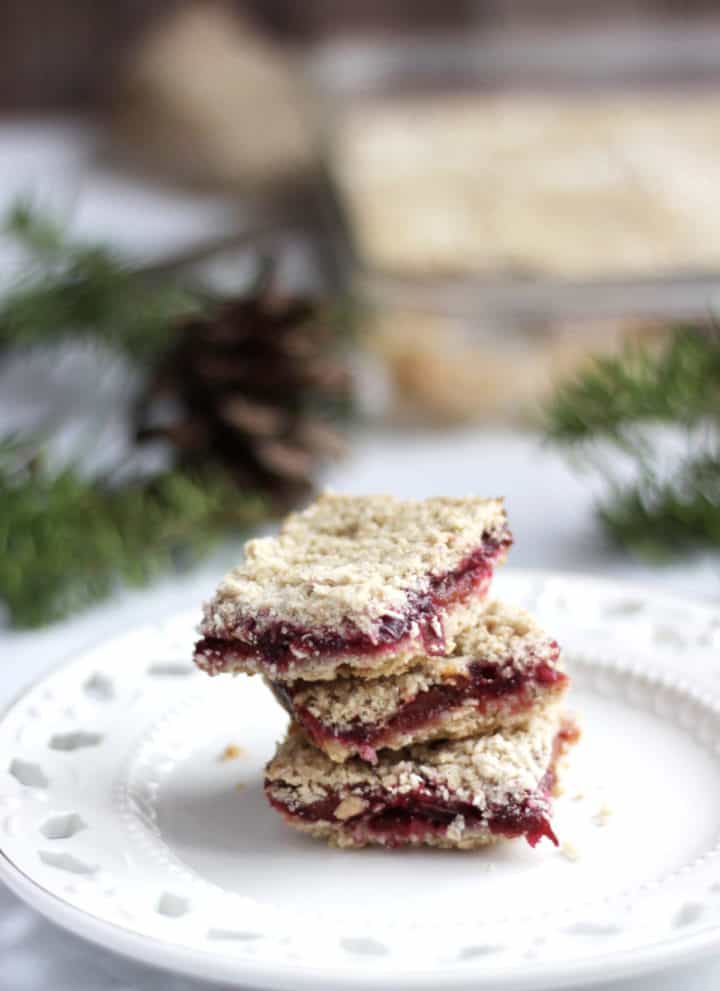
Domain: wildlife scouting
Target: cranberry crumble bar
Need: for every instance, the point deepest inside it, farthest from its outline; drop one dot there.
(463, 794)
(354, 584)
(503, 669)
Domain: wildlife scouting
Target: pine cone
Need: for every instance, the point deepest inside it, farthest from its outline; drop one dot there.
(255, 387)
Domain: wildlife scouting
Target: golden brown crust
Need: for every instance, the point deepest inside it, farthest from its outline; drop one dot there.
(474, 780)
(496, 198)
(491, 633)
(337, 836)
(403, 656)
(459, 723)
(482, 770)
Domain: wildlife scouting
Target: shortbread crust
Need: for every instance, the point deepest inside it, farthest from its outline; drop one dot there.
(503, 669)
(462, 794)
(359, 583)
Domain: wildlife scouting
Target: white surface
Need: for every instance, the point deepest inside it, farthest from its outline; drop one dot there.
(551, 511)
(117, 807)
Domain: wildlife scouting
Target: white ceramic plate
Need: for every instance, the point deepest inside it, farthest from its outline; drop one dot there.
(119, 820)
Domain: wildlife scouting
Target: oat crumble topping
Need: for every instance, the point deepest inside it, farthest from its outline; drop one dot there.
(481, 771)
(493, 633)
(352, 558)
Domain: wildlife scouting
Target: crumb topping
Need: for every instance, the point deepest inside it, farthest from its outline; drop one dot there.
(483, 771)
(351, 559)
(499, 716)
(570, 851)
(494, 634)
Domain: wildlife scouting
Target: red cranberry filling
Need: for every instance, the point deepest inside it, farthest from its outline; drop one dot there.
(282, 644)
(485, 683)
(414, 815)
(404, 816)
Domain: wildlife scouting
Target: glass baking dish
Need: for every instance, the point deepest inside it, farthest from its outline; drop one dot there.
(489, 342)
(528, 177)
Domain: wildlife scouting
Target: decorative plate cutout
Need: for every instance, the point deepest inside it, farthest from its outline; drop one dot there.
(27, 773)
(62, 827)
(66, 862)
(76, 740)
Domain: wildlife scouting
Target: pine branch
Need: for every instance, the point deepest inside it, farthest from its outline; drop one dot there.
(66, 542)
(680, 384)
(616, 400)
(660, 519)
(85, 291)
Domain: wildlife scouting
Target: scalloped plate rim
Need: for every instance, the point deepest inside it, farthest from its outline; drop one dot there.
(196, 963)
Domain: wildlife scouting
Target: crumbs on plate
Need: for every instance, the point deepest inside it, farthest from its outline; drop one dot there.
(231, 752)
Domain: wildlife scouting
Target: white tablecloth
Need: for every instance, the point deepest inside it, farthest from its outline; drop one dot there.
(550, 509)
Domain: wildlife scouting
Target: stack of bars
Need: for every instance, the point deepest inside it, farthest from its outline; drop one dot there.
(422, 711)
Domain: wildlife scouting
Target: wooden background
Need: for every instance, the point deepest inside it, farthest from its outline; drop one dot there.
(55, 53)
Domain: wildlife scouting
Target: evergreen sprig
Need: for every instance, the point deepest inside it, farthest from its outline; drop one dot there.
(619, 400)
(85, 290)
(660, 518)
(66, 541)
